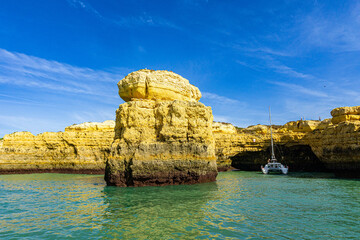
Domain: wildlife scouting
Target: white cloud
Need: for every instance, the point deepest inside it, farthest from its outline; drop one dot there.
(336, 31)
(281, 68)
(33, 72)
(248, 65)
(19, 98)
(23, 123)
(97, 115)
(218, 118)
(263, 50)
(221, 99)
(40, 95)
(128, 22)
(143, 20)
(298, 89)
(86, 6)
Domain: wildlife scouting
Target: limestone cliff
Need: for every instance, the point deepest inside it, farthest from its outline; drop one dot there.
(328, 145)
(157, 85)
(338, 145)
(345, 114)
(181, 136)
(163, 135)
(80, 149)
(248, 148)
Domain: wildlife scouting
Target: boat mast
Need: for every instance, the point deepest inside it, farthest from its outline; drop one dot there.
(272, 141)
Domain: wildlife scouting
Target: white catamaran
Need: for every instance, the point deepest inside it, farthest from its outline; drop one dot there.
(273, 165)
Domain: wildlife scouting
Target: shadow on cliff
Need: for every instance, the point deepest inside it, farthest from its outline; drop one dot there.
(297, 157)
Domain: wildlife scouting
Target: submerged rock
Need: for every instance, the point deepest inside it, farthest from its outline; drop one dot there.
(160, 141)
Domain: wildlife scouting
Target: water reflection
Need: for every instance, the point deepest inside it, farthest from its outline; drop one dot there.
(239, 205)
(160, 212)
(50, 206)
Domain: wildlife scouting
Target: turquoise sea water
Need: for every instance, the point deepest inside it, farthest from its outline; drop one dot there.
(239, 205)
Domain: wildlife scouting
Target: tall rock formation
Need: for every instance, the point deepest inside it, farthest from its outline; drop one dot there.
(338, 145)
(81, 148)
(163, 135)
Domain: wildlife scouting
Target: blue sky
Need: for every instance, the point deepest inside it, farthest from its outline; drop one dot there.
(60, 60)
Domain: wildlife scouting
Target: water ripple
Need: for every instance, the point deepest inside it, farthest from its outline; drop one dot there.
(240, 205)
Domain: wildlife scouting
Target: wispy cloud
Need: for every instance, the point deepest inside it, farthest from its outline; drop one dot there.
(281, 68)
(222, 99)
(86, 116)
(22, 123)
(144, 20)
(295, 88)
(33, 72)
(125, 22)
(18, 98)
(219, 118)
(57, 94)
(271, 63)
(262, 50)
(255, 67)
(336, 31)
(305, 109)
(84, 5)
(225, 109)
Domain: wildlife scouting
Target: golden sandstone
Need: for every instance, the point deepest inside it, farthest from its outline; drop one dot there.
(157, 85)
(345, 114)
(80, 149)
(163, 135)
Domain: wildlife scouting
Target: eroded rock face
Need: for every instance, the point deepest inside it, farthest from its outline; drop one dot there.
(302, 126)
(106, 126)
(80, 149)
(221, 127)
(327, 145)
(161, 141)
(345, 114)
(338, 147)
(157, 85)
(248, 148)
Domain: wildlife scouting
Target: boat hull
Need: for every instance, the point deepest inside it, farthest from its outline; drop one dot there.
(274, 168)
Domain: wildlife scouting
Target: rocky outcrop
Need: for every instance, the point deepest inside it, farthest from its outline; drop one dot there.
(302, 126)
(80, 149)
(163, 135)
(225, 128)
(338, 145)
(328, 145)
(248, 148)
(345, 114)
(224, 134)
(106, 126)
(157, 85)
(160, 141)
